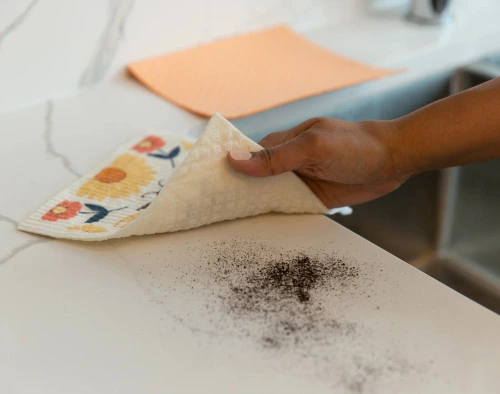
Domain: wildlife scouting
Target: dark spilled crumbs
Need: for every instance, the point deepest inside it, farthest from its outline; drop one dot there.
(278, 291)
(295, 302)
(282, 294)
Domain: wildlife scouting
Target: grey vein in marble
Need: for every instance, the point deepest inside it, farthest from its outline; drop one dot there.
(47, 137)
(17, 21)
(108, 43)
(147, 290)
(7, 219)
(20, 248)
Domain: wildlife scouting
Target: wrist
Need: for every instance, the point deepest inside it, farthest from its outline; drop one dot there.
(394, 143)
(402, 149)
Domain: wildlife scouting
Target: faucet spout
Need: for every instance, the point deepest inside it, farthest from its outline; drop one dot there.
(431, 12)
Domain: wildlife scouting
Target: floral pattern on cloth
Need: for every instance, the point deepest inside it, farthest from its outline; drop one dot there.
(149, 144)
(112, 196)
(126, 220)
(152, 145)
(89, 228)
(155, 184)
(63, 211)
(123, 177)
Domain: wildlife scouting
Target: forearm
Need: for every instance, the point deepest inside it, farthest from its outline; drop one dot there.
(460, 129)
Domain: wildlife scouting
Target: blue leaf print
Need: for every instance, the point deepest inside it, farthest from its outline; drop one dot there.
(167, 156)
(174, 152)
(158, 155)
(97, 217)
(98, 212)
(96, 208)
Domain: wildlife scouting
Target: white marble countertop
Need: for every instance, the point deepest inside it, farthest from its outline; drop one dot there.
(144, 315)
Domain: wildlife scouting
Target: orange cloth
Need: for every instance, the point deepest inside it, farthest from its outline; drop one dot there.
(250, 73)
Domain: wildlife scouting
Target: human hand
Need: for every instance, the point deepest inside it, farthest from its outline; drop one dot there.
(343, 163)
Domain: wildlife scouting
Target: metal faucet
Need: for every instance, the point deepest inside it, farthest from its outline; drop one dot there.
(430, 12)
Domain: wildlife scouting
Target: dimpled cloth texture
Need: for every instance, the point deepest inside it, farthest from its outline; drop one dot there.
(200, 190)
(273, 66)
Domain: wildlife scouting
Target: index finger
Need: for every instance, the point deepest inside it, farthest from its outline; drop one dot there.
(280, 137)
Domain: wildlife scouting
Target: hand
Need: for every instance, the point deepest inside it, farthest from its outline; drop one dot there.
(343, 163)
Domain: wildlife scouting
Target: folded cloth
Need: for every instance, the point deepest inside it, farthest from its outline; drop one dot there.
(253, 72)
(160, 183)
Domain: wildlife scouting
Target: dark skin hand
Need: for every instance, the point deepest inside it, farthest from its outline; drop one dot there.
(348, 163)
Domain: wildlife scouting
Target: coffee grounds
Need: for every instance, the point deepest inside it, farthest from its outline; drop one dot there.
(294, 278)
(294, 304)
(276, 292)
(294, 307)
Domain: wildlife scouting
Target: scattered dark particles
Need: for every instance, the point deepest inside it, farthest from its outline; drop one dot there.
(294, 303)
(279, 296)
(295, 306)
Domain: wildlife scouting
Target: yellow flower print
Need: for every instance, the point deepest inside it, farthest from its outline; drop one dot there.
(187, 144)
(126, 220)
(89, 228)
(123, 177)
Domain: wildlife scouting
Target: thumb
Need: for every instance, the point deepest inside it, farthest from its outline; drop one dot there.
(288, 156)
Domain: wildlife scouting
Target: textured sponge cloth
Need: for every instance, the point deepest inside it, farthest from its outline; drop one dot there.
(272, 67)
(157, 184)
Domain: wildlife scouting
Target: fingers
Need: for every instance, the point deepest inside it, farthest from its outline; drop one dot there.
(288, 156)
(335, 195)
(287, 150)
(275, 138)
(280, 137)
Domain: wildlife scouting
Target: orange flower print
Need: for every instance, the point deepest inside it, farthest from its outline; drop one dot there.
(123, 177)
(64, 210)
(149, 144)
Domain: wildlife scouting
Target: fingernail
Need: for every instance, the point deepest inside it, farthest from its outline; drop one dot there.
(240, 154)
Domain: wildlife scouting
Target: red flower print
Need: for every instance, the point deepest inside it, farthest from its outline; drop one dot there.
(64, 210)
(149, 144)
